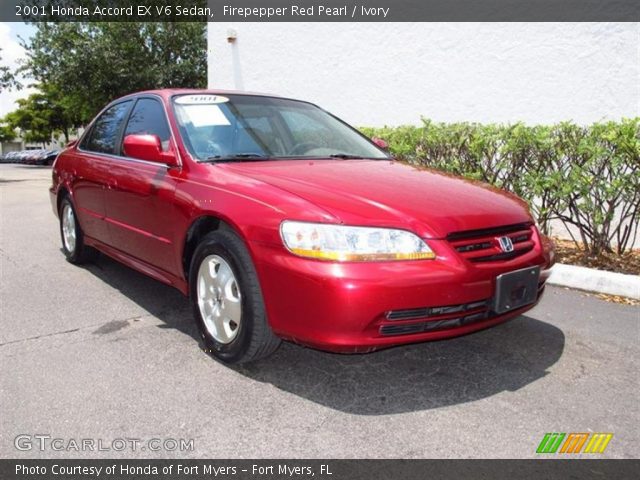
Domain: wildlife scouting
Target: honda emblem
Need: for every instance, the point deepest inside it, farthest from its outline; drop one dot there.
(505, 244)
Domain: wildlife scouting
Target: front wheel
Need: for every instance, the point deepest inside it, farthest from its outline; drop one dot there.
(227, 300)
(72, 236)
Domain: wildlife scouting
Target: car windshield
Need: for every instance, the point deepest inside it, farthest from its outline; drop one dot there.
(246, 127)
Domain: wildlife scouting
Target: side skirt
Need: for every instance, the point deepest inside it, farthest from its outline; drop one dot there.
(142, 267)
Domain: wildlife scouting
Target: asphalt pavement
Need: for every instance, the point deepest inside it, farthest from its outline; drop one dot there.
(104, 353)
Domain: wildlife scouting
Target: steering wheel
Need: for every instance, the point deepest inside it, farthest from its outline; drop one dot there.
(303, 147)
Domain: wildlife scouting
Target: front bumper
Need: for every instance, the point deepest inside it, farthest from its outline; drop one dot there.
(349, 307)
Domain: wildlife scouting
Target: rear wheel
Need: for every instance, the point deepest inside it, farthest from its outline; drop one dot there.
(72, 237)
(227, 300)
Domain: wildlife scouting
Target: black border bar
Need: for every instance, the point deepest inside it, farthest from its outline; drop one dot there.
(321, 10)
(583, 469)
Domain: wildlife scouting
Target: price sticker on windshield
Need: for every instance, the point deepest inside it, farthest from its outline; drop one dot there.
(201, 99)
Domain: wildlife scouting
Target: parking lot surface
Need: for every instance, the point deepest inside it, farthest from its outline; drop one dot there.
(102, 352)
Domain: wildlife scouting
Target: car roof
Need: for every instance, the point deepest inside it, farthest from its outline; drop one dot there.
(169, 92)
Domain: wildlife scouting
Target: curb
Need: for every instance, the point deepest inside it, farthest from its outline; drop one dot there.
(593, 280)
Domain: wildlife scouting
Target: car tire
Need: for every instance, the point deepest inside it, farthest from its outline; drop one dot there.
(72, 236)
(227, 300)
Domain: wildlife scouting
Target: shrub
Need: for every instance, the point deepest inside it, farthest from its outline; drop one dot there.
(588, 177)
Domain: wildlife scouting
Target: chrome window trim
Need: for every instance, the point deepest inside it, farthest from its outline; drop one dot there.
(135, 98)
(128, 159)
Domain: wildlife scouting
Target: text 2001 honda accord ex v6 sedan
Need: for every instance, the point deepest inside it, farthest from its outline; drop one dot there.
(280, 221)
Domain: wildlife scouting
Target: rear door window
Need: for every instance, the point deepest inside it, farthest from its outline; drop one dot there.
(103, 137)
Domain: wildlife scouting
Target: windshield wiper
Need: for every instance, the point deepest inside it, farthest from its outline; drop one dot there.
(345, 156)
(235, 157)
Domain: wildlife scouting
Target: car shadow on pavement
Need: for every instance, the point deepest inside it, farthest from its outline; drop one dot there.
(403, 379)
(417, 377)
(160, 300)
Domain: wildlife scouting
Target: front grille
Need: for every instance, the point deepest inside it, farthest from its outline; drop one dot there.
(438, 318)
(435, 311)
(482, 245)
(433, 325)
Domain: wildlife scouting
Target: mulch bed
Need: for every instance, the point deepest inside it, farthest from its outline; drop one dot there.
(567, 252)
(629, 263)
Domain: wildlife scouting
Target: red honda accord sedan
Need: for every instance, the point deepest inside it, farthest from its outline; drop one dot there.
(280, 221)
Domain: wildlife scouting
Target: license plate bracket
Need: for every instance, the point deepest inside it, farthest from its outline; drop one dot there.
(516, 289)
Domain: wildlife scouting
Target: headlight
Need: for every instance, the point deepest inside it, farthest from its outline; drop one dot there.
(352, 244)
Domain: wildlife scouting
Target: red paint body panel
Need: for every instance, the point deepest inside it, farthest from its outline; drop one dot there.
(90, 176)
(135, 195)
(140, 212)
(392, 194)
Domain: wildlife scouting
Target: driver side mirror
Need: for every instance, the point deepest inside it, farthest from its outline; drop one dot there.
(380, 143)
(149, 148)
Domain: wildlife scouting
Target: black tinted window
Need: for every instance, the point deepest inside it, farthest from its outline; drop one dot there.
(148, 117)
(103, 135)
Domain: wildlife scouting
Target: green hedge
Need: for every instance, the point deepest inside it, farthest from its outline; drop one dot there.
(585, 176)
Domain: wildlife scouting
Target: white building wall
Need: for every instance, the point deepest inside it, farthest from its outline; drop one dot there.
(392, 73)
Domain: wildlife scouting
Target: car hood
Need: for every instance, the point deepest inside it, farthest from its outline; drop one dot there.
(391, 194)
